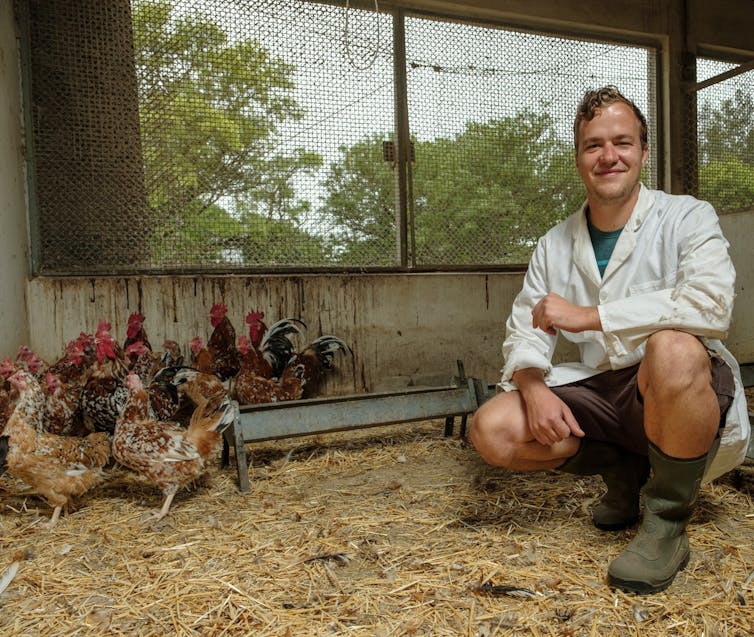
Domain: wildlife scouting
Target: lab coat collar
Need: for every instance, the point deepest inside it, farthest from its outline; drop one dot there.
(583, 252)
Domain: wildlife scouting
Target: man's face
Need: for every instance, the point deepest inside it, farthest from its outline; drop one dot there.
(610, 155)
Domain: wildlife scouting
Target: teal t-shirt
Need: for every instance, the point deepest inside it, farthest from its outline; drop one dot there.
(602, 242)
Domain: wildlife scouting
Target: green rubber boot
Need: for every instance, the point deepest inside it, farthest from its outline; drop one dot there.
(624, 474)
(661, 546)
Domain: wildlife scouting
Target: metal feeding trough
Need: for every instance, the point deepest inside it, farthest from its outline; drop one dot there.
(254, 423)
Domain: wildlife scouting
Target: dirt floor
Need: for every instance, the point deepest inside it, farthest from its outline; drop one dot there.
(390, 531)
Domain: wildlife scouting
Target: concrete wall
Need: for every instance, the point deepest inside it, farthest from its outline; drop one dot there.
(403, 329)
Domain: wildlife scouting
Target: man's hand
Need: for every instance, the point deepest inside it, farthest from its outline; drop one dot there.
(550, 420)
(554, 313)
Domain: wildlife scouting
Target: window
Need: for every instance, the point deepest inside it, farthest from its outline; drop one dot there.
(725, 136)
(229, 135)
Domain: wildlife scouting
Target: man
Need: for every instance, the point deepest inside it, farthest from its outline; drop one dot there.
(642, 283)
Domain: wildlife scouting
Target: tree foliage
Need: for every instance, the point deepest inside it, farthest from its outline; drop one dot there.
(220, 190)
(726, 152)
(210, 108)
(484, 196)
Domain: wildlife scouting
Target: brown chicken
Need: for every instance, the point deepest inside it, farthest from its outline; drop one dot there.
(201, 359)
(191, 386)
(271, 368)
(135, 331)
(266, 352)
(195, 385)
(167, 455)
(26, 359)
(58, 467)
(317, 359)
(62, 413)
(171, 354)
(222, 344)
(252, 390)
(142, 360)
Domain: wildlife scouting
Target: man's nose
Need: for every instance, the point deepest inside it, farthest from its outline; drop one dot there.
(609, 155)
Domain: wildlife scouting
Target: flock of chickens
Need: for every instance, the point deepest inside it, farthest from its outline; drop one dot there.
(62, 423)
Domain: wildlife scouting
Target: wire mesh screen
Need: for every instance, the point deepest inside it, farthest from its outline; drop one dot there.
(492, 114)
(725, 137)
(88, 180)
(193, 135)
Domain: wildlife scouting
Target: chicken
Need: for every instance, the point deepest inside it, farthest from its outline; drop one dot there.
(191, 386)
(74, 364)
(3, 454)
(271, 369)
(142, 360)
(196, 385)
(317, 359)
(171, 354)
(28, 360)
(167, 455)
(62, 411)
(104, 393)
(253, 389)
(58, 467)
(135, 331)
(201, 359)
(222, 344)
(266, 352)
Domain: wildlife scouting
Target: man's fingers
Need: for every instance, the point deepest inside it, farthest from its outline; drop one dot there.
(573, 426)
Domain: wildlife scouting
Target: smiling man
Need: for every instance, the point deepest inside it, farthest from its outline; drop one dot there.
(642, 283)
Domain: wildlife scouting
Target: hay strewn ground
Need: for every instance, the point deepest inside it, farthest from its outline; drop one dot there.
(390, 531)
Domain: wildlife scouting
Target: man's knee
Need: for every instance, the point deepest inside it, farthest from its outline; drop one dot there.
(490, 435)
(674, 361)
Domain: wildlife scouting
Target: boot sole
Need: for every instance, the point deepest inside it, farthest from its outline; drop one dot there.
(644, 588)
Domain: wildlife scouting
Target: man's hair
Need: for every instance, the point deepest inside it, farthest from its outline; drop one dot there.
(601, 98)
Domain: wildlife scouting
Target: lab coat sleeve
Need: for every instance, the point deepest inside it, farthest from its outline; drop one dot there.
(698, 299)
(525, 346)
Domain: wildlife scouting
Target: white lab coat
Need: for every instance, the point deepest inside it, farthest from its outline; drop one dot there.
(670, 269)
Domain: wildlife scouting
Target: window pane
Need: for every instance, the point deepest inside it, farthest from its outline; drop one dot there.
(491, 113)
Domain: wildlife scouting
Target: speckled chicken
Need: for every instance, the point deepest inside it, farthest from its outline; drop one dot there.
(58, 467)
(165, 454)
(104, 393)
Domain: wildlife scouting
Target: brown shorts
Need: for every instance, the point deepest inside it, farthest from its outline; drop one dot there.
(609, 407)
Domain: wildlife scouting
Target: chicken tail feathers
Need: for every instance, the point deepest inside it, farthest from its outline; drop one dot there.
(325, 347)
(214, 414)
(276, 346)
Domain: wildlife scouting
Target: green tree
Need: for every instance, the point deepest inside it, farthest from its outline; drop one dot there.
(360, 201)
(726, 152)
(210, 111)
(484, 196)
(728, 130)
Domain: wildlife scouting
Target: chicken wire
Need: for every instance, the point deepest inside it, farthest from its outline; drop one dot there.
(492, 111)
(197, 135)
(725, 137)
